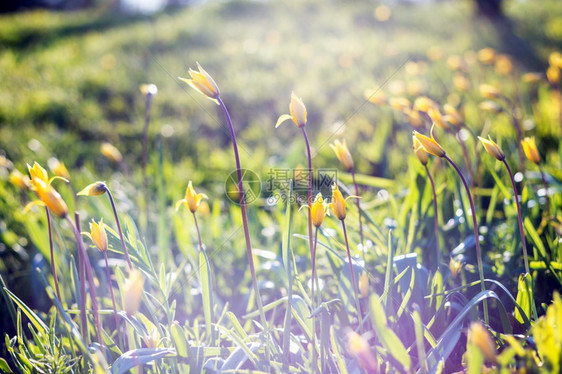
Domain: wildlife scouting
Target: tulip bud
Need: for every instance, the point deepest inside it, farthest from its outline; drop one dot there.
(492, 148)
(94, 189)
(111, 152)
(530, 149)
(132, 292)
(98, 235)
(429, 144)
(343, 154)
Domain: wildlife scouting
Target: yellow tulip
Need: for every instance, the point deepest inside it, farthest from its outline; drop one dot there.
(132, 292)
(98, 235)
(532, 77)
(50, 197)
(192, 199)
(94, 189)
(555, 59)
(297, 110)
(377, 97)
(553, 74)
(400, 103)
(486, 55)
(423, 103)
(343, 154)
(489, 91)
(37, 171)
(480, 337)
(490, 106)
(503, 65)
(437, 118)
(201, 81)
(492, 148)
(359, 348)
(420, 152)
(318, 210)
(530, 148)
(338, 203)
(453, 116)
(364, 284)
(429, 144)
(111, 152)
(455, 267)
(59, 168)
(456, 63)
(18, 179)
(414, 118)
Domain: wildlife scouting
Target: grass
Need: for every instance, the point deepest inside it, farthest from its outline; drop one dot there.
(72, 83)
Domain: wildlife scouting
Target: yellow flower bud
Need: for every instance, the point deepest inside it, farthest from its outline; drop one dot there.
(530, 148)
(18, 179)
(486, 55)
(420, 152)
(434, 53)
(152, 339)
(555, 59)
(132, 292)
(414, 118)
(423, 103)
(359, 348)
(364, 284)
(377, 97)
(490, 106)
(456, 63)
(318, 210)
(453, 116)
(297, 110)
(98, 235)
(50, 197)
(532, 77)
(437, 118)
(94, 189)
(455, 267)
(492, 148)
(338, 202)
(111, 152)
(503, 65)
(343, 154)
(429, 144)
(58, 168)
(192, 199)
(553, 74)
(201, 81)
(461, 82)
(480, 337)
(400, 103)
(148, 89)
(37, 171)
(489, 91)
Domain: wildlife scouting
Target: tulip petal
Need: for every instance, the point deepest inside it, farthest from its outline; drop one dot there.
(282, 119)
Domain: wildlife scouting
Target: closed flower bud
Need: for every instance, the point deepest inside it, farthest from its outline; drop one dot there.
(201, 81)
(343, 154)
(148, 89)
(318, 210)
(456, 63)
(492, 148)
(58, 168)
(429, 144)
(98, 235)
(553, 74)
(486, 55)
(453, 116)
(359, 348)
(192, 199)
(132, 292)
(297, 110)
(423, 103)
(414, 118)
(454, 267)
(461, 82)
(503, 65)
(490, 106)
(481, 338)
(532, 77)
(18, 179)
(489, 91)
(94, 189)
(530, 148)
(111, 152)
(420, 152)
(400, 103)
(338, 203)
(437, 118)
(364, 284)
(377, 97)
(50, 197)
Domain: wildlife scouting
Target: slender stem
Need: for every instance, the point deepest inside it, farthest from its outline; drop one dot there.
(436, 219)
(82, 280)
(355, 291)
(148, 106)
(88, 268)
(313, 257)
(547, 202)
(476, 235)
(244, 216)
(516, 125)
(198, 232)
(358, 201)
(108, 275)
(466, 159)
(309, 197)
(119, 228)
(519, 219)
(53, 267)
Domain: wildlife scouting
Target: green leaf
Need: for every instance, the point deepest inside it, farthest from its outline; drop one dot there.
(525, 298)
(4, 367)
(178, 337)
(35, 320)
(141, 356)
(206, 292)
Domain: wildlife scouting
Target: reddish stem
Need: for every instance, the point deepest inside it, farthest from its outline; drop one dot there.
(108, 275)
(355, 291)
(53, 267)
(436, 218)
(125, 251)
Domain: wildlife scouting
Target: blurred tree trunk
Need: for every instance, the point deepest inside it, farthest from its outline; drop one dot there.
(489, 8)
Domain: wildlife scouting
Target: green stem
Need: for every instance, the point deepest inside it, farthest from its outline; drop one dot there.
(108, 275)
(358, 201)
(244, 215)
(519, 219)
(476, 236)
(148, 106)
(125, 251)
(355, 291)
(53, 267)
(436, 219)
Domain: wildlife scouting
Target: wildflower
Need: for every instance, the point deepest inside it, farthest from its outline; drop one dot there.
(359, 348)
(50, 197)
(453, 116)
(532, 77)
(94, 189)
(555, 59)
(376, 97)
(420, 152)
(456, 63)
(152, 339)
(414, 118)
(490, 106)
(503, 65)
(429, 144)
(423, 103)
(343, 154)
(132, 292)
(18, 179)
(530, 148)
(434, 53)
(364, 284)
(148, 89)
(192, 199)
(297, 111)
(201, 81)
(480, 337)
(37, 171)
(486, 55)
(454, 267)
(461, 82)
(98, 235)
(111, 152)
(400, 103)
(58, 168)
(492, 148)
(489, 91)
(318, 210)
(437, 118)
(553, 74)
(338, 202)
